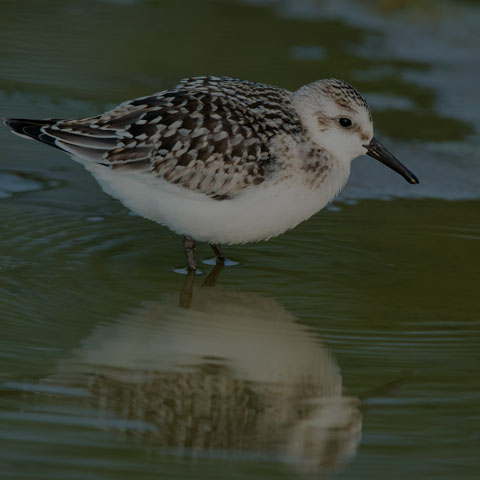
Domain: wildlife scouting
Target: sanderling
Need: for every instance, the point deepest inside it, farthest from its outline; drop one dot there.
(223, 160)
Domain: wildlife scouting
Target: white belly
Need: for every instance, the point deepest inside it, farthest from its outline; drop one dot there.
(256, 213)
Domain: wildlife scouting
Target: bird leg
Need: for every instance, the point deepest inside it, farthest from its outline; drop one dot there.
(189, 247)
(187, 290)
(186, 294)
(213, 275)
(217, 250)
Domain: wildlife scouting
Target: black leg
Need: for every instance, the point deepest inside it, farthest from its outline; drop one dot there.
(189, 247)
(217, 250)
(213, 275)
(186, 293)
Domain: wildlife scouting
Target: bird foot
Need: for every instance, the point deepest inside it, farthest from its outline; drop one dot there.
(227, 262)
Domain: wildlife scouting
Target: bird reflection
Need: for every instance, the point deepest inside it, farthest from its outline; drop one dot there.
(224, 371)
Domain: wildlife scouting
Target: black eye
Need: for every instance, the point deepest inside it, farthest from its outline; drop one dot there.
(345, 122)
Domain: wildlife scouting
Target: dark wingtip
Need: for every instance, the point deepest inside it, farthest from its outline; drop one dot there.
(14, 123)
(27, 127)
(22, 125)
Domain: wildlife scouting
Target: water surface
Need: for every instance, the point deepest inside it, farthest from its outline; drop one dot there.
(347, 348)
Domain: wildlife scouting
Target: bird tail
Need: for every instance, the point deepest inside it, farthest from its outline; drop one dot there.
(29, 128)
(72, 137)
(84, 140)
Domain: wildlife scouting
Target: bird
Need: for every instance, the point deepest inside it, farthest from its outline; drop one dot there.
(223, 160)
(235, 372)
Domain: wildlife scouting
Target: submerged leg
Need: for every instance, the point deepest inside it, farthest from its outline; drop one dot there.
(213, 275)
(187, 289)
(189, 247)
(217, 250)
(186, 293)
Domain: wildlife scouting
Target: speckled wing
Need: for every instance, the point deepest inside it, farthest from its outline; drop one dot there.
(208, 134)
(215, 134)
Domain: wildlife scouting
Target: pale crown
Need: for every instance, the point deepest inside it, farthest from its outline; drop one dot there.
(336, 116)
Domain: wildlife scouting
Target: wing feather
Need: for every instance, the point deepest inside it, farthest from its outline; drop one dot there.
(81, 139)
(209, 134)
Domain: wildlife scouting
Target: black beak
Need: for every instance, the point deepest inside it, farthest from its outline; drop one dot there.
(376, 150)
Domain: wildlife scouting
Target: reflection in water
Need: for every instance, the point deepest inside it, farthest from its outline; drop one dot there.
(18, 182)
(234, 371)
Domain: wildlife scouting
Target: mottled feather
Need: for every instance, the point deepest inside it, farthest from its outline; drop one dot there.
(208, 134)
(275, 157)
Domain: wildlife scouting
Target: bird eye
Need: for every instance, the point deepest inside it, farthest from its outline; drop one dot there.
(345, 122)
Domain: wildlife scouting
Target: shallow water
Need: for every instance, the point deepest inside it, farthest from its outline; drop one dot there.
(347, 348)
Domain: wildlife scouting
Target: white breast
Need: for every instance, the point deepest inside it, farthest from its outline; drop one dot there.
(257, 213)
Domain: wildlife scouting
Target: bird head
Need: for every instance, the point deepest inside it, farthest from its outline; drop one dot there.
(339, 121)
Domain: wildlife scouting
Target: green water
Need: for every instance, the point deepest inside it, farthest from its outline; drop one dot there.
(347, 348)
